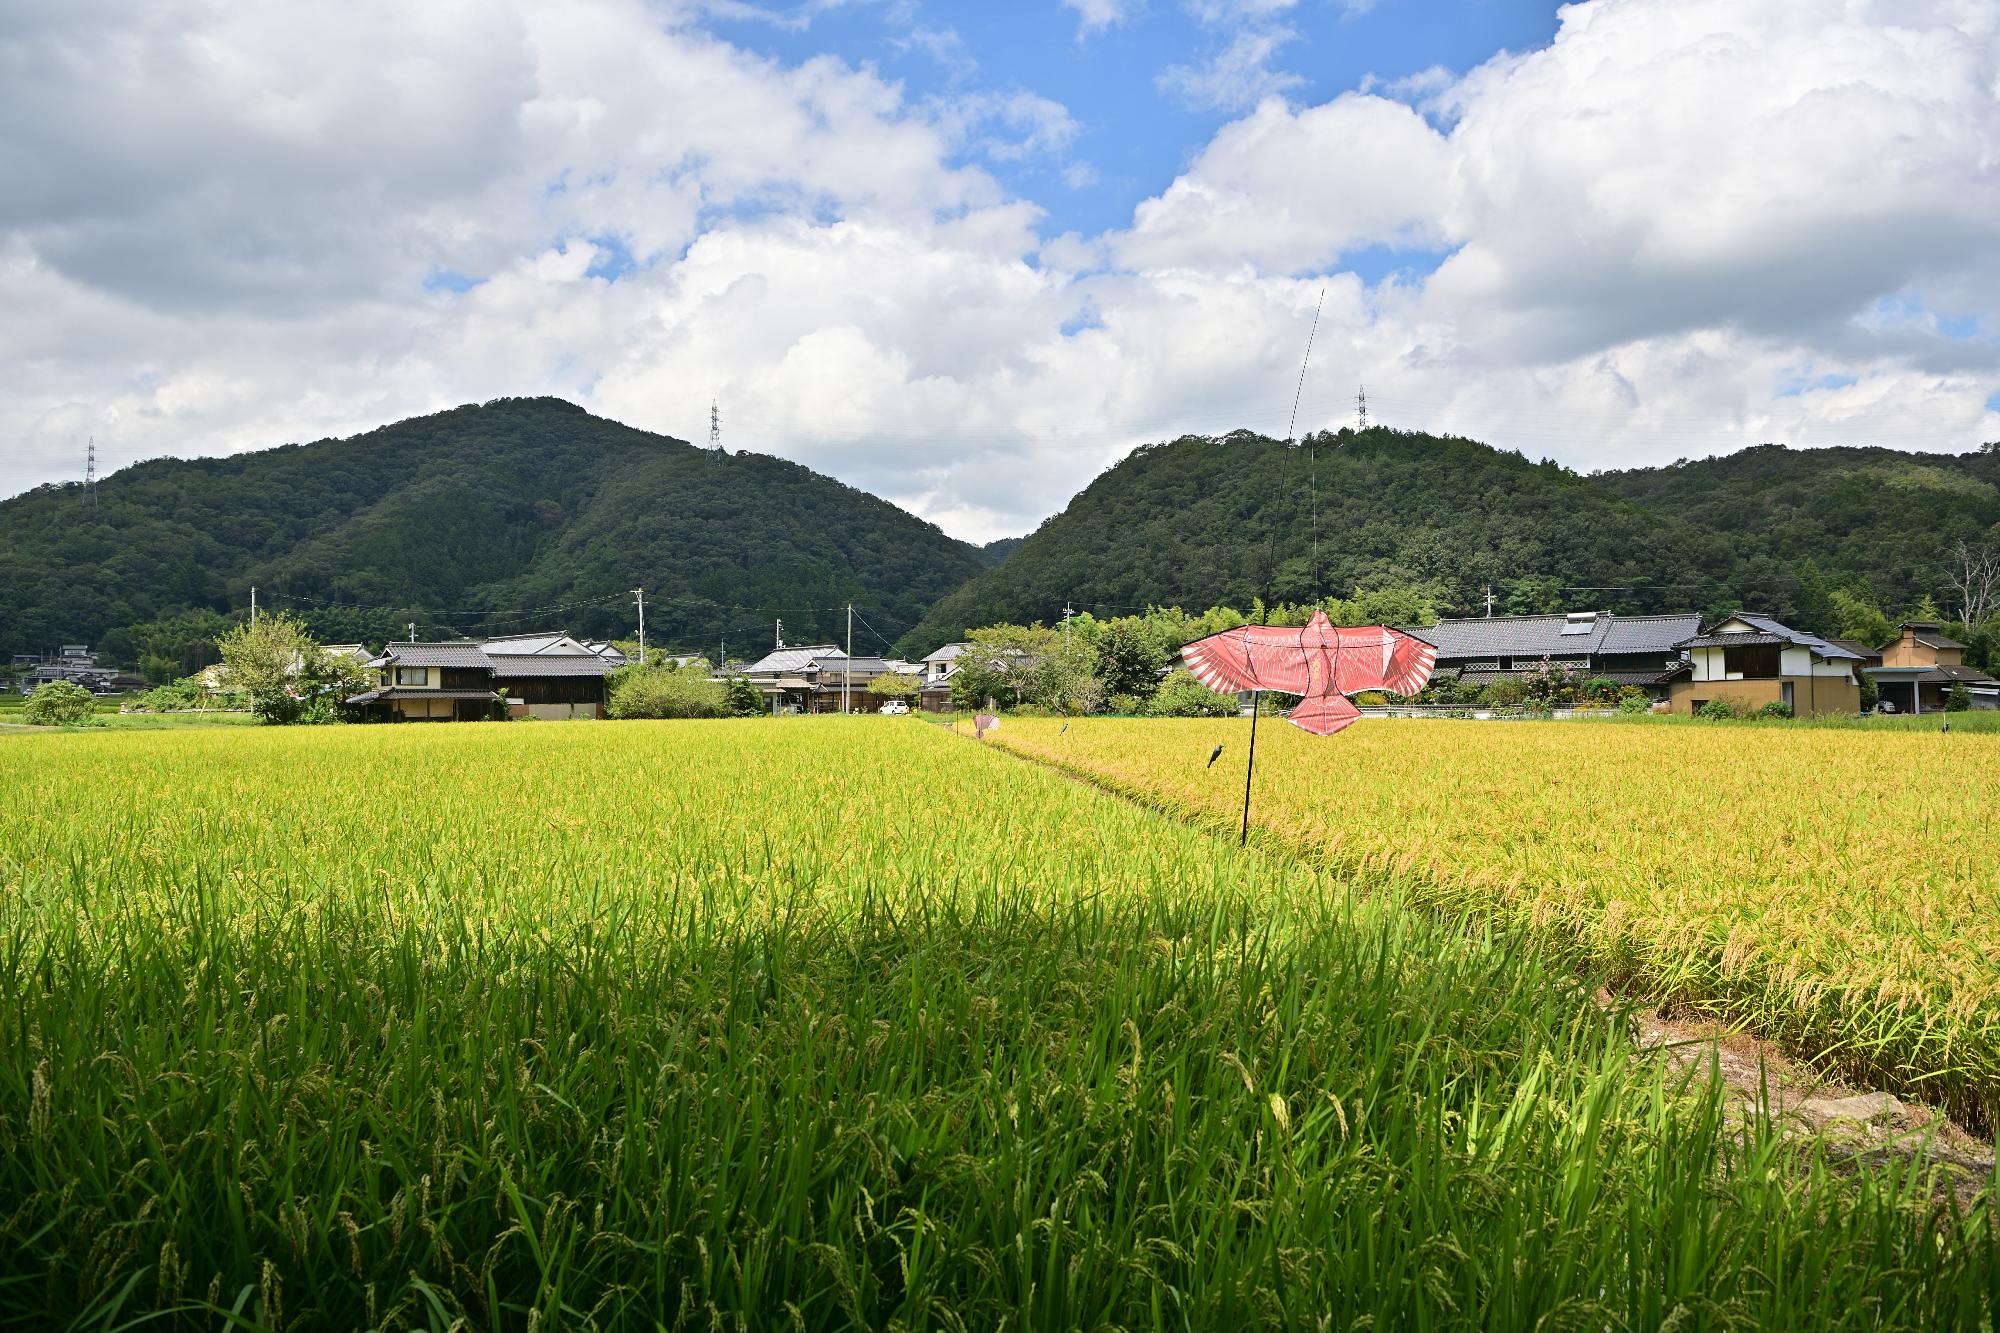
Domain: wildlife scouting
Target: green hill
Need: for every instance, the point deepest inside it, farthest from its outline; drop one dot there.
(519, 514)
(1878, 515)
(1201, 521)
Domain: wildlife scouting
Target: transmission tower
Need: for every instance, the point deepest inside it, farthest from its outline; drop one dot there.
(714, 428)
(90, 473)
(1361, 408)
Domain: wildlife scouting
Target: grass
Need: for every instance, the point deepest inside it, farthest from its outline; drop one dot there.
(831, 1023)
(1833, 888)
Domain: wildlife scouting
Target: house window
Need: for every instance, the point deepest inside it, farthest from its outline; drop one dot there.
(1755, 661)
(411, 675)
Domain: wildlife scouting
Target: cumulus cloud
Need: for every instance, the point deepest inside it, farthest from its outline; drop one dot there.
(1095, 14)
(1676, 229)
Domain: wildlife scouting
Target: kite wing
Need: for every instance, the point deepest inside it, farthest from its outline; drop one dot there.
(1375, 658)
(1250, 657)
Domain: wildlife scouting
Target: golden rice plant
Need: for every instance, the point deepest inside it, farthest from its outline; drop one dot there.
(1839, 889)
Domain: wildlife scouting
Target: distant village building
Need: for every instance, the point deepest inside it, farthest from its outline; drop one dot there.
(1752, 660)
(1644, 651)
(1916, 670)
(935, 673)
(547, 675)
(816, 678)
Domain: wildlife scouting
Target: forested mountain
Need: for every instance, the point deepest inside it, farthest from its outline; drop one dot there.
(1875, 515)
(1199, 522)
(520, 514)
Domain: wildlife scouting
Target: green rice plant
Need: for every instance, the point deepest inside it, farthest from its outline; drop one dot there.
(829, 1024)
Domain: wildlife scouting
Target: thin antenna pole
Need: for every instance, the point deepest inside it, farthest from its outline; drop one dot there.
(1291, 433)
(1256, 707)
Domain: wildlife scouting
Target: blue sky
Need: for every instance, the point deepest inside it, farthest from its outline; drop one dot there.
(1134, 134)
(966, 256)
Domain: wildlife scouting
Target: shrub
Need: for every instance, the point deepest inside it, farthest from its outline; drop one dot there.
(1635, 703)
(1125, 705)
(1717, 710)
(1181, 695)
(1957, 699)
(1505, 693)
(183, 694)
(59, 704)
(1775, 708)
(1371, 699)
(664, 692)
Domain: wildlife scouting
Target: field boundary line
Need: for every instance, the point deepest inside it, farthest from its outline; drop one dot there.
(1632, 984)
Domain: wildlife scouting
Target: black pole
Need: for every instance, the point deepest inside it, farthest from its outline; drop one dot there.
(1256, 707)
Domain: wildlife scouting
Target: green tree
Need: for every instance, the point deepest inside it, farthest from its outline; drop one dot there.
(1535, 595)
(1130, 653)
(893, 685)
(59, 703)
(284, 674)
(1857, 617)
(742, 698)
(1958, 698)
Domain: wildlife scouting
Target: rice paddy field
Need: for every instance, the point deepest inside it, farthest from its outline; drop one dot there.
(1836, 889)
(853, 1022)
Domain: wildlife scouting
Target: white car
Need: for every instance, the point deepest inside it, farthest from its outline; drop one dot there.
(894, 708)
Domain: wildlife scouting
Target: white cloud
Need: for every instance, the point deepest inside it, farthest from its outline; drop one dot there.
(1286, 191)
(1236, 76)
(1095, 14)
(1677, 229)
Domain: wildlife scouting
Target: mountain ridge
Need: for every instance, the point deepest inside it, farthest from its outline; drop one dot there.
(1203, 521)
(469, 520)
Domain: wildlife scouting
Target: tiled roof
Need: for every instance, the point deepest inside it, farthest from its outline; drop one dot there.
(1738, 640)
(948, 652)
(1793, 636)
(549, 664)
(1967, 675)
(1937, 641)
(462, 654)
(1510, 636)
(1542, 636)
(1857, 647)
(790, 659)
(1649, 634)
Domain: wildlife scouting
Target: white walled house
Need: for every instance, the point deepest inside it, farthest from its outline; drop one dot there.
(1752, 660)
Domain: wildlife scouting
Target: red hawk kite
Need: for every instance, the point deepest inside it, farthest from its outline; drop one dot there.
(1317, 660)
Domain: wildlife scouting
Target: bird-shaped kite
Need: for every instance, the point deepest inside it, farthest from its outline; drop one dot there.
(1319, 661)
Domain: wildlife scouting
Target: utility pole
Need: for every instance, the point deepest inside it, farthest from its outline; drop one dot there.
(847, 666)
(90, 473)
(1361, 409)
(640, 593)
(1067, 613)
(781, 635)
(1489, 601)
(413, 631)
(253, 606)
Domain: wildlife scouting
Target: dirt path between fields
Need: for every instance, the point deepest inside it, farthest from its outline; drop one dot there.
(1858, 1125)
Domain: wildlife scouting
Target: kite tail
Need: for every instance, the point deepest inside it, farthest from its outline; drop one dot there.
(1323, 714)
